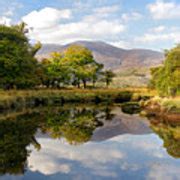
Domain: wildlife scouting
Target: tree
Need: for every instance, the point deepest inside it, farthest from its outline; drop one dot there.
(17, 62)
(74, 66)
(108, 76)
(165, 78)
(56, 71)
(83, 67)
(96, 74)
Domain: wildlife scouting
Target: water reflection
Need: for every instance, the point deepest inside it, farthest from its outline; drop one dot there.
(15, 135)
(75, 124)
(108, 144)
(170, 133)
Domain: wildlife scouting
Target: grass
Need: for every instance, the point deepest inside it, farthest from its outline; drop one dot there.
(131, 77)
(27, 98)
(171, 104)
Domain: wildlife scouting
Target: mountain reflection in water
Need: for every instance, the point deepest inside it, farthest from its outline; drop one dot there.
(94, 142)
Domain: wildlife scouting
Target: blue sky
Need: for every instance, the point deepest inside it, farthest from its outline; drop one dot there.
(151, 24)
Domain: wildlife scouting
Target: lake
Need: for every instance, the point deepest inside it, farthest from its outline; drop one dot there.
(84, 142)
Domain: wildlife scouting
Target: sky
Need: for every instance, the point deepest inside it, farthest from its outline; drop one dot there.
(150, 24)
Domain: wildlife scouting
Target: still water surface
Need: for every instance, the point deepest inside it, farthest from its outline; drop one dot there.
(87, 142)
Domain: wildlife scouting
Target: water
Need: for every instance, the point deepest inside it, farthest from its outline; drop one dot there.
(87, 142)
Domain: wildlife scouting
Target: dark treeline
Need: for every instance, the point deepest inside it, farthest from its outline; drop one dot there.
(19, 69)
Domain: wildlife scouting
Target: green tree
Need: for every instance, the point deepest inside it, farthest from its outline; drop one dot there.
(57, 70)
(82, 65)
(96, 73)
(108, 76)
(166, 77)
(17, 62)
(74, 66)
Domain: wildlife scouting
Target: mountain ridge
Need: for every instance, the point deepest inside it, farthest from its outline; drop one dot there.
(112, 57)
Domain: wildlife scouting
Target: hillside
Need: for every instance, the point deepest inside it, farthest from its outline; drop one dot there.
(111, 56)
(132, 66)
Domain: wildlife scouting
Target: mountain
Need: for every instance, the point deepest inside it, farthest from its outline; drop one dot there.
(121, 124)
(131, 66)
(112, 57)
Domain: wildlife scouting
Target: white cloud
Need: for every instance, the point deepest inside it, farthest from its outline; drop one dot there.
(81, 6)
(56, 156)
(48, 28)
(46, 18)
(9, 13)
(107, 9)
(164, 10)
(122, 44)
(131, 16)
(159, 37)
(130, 166)
(152, 146)
(5, 20)
(161, 171)
(158, 29)
(10, 8)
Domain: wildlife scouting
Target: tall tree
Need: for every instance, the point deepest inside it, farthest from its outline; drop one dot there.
(17, 62)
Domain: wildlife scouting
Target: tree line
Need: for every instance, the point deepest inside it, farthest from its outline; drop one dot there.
(20, 69)
(74, 66)
(166, 78)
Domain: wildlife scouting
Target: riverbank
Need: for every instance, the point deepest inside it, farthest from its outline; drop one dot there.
(167, 109)
(31, 98)
(134, 100)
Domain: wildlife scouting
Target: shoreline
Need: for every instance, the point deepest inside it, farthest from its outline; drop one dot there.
(163, 109)
(16, 99)
(136, 100)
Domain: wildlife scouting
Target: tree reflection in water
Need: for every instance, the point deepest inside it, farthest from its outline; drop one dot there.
(15, 135)
(169, 132)
(75, 124)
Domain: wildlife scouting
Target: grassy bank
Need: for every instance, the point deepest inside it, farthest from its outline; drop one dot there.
(166, 104)
(18, 99)
(164, 108)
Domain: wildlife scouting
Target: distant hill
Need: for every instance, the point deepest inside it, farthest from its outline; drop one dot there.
(131, 66)
(111, 56)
